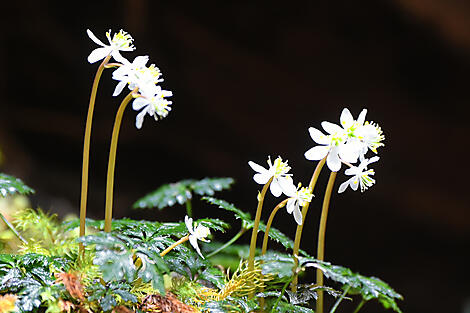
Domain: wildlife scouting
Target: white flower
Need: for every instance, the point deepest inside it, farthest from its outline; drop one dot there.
(128, 72)
(153, 102)
(371, 136)
(278, 171)
(298, 197)
(360, 176)
(121, 41)
(330, 145)
(137, 75)
(199, 233)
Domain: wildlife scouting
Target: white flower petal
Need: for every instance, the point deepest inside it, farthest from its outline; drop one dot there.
(94, 38)
(119, 87)
(373, 159)
(318, 136)
(256, 167)
(139, 120)
(262, 178)
(349, 152)
(139, 103)
(290, 205)
(98, 54)
(354, 182)
(333, 161)
(343, 186)
(275, 188)
(346, 118)
(298, 216)
(331, 128)
(351, 171)
(118, 57)
(189, 224)
(287, 186)
(317, 153)
(193, 241)
(362, 117)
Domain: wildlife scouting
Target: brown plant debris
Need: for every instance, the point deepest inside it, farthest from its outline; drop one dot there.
(122, 309)
(72, 284)
(167, 304)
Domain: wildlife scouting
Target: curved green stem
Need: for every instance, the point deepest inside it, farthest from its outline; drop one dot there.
(108, 215)
(274, 307)
(321, 238)
(268, 225)
(266, 236)
(360, 305)
(228, 243)
(333, 309)
(298, 232)
(189, 210)
(254, 233)
(13, 229)
(184, 239)
(86, 147)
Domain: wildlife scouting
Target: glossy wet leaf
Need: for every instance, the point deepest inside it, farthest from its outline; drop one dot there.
(277, 264)
(284, 307)
(10, 185)
(368, 287)
(247, 222)
(180, 192)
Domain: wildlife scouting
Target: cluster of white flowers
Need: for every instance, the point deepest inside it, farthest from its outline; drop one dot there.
(348, 144)
(136, 75)
(282, 182)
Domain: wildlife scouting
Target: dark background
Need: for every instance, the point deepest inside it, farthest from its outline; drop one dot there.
(248, 79)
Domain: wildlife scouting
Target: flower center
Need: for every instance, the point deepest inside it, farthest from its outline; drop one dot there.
(122, 40)
(280, 168)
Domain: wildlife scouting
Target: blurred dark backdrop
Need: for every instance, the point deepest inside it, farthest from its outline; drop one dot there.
(248, 79)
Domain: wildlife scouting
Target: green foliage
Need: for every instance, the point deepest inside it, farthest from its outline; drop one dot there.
(115, 255)
(110, 295)
(247, 222)
(368, 287)
(10, 185)
(44, 233)
(182, 191)
(232, 305)
(29, 276)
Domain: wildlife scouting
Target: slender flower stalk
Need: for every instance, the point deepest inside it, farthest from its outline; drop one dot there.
(86, 147)
(13, 229)
(341, 298)
(254, 233)
(177, 243)
(360, 305)
(298, 232)
(321, 238)
(108, 215)
(228, 243)
(269, 223)
(266, 237)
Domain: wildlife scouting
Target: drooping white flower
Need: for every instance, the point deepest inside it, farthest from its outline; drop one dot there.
(278, 170)
(152, 102)
(371, 136)
(360, 176)
(121, 41)
(128, 73)
(298, 197)
(200, 232)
